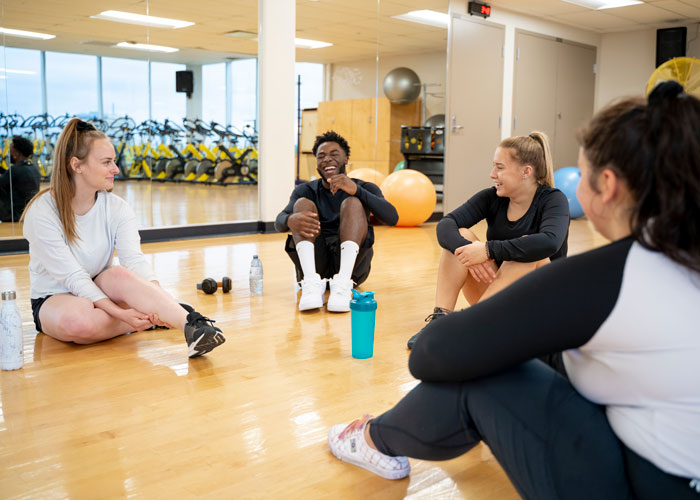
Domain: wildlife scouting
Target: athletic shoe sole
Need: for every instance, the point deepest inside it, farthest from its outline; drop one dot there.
(205, 343)
(338, 308)
(313, 304)
(334, 431)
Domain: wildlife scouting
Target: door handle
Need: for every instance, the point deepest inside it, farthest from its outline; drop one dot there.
(455, 127)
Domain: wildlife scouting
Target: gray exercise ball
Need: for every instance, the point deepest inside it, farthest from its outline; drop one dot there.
(402, 85)
(435, 121)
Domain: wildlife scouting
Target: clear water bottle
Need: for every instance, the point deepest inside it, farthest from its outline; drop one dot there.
(11, 349)
(256, 276)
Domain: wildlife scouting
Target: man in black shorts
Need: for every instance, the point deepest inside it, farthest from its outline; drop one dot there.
(331, 236)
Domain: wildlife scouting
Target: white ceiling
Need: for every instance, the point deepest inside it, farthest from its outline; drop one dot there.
(356, 28)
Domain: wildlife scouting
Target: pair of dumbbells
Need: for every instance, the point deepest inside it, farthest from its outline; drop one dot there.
(209, 285)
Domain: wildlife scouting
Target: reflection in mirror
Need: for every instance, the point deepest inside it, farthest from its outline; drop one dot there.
(92, 68)
(337, 83)
(22, 134)
(412, 67)
(374, 42)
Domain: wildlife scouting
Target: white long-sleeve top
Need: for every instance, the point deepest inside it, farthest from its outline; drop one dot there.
(58, 267)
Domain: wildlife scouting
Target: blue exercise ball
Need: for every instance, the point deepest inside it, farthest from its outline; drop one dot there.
(566, 180)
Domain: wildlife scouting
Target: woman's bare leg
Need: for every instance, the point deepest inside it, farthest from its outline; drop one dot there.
(75, 319)
(453, 276)
(122, 285)
(509, 273)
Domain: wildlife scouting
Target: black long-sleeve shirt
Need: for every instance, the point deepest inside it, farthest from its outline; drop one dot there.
(328, 206)
(541, 233)
(25, 184)
(626, 318)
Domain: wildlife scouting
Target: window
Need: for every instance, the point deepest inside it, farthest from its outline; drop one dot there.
(311, 84)
(165, 102)
(20, 81)
(214, 93)
(124, 88)
(71, 84)
(244, 101)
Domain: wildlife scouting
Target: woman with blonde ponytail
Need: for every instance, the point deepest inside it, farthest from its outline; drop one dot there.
(73, 228)
(528, 225)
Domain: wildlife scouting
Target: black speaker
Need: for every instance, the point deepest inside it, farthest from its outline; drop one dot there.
(184, 82)
(670, 43)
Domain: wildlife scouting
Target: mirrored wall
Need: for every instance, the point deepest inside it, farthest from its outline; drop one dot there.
(184, 122)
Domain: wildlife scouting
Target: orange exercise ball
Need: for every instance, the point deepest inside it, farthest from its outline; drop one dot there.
(368, 175)
(413, 195)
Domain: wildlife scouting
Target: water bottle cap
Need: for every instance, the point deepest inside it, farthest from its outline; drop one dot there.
(9, 295)
(363, 301)
(255, 256)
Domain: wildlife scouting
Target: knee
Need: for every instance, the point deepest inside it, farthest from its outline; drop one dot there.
(305, 205)
(352, 206)
(80, 329)
(119, 273)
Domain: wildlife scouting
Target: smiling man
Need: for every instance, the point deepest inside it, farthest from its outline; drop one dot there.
(332, 238)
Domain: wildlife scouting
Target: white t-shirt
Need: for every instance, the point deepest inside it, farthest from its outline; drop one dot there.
(57, 267)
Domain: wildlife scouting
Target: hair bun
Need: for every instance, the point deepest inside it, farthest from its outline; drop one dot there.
(665, 90)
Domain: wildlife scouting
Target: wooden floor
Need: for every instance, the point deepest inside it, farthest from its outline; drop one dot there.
(134, 417)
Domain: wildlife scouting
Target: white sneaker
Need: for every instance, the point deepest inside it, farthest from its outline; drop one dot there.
(353, 448)
(339, 298)
(312, 293)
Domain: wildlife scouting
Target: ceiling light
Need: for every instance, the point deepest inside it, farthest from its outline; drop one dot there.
(26, 34)
(303, 43)
(130, 18)
(429, 17)
(604, 4)
(145, 46)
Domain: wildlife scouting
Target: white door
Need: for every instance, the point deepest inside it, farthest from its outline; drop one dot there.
(474, 97)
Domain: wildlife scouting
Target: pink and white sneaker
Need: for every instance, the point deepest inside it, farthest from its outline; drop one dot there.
(353, 448)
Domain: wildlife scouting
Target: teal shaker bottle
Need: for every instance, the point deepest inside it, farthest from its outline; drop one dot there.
(363, 308)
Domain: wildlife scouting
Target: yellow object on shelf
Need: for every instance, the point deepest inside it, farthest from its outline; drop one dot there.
(684, 70)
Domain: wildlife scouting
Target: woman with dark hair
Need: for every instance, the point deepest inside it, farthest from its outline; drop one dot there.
(73, 228)
(625, 421)
(20, 183)
(528, 225)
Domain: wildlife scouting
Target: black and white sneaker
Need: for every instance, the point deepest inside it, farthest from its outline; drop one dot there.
(437, 313)
(201, 335)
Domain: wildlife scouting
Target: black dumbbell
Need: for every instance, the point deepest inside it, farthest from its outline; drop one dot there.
(208, 285)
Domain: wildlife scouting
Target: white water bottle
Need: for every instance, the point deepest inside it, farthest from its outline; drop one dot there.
(11, 349)
(256, 276)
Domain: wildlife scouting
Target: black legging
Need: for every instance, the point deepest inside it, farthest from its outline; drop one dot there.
(552, 442)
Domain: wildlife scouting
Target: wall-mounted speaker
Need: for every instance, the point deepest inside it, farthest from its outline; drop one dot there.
(670, 43)
(184, 82)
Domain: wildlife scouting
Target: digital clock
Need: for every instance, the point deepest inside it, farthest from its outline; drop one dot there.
(479, 9)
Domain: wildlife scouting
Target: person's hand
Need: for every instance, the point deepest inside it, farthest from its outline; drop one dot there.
(137, 320)
(472, 254)
(156, 321)
(355, 425)
(305, 224)
(341, 182)
(484, 272)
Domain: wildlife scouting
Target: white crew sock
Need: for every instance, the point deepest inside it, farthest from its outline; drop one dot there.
(305, 251)
(348, 254)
